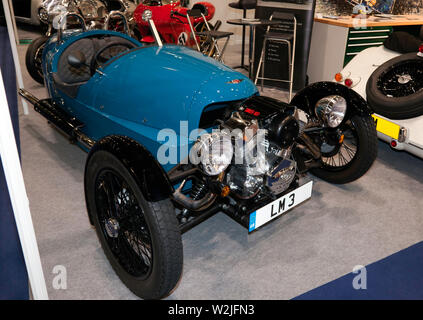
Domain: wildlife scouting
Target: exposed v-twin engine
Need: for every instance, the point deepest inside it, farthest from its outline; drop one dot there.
(264, 131)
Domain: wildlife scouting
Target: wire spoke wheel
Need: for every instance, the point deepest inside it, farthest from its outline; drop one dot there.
(349, 152)
(402, 79)
(123, 224)
(394, 90)
(140, 237)
(206, 43)
(339, 156)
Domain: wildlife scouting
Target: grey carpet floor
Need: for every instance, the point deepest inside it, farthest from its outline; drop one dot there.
(321, 240)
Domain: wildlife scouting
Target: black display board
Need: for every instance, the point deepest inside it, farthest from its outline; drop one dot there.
(276, 64)
(22, 8)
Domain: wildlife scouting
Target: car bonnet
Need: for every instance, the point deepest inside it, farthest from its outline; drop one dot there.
(169, 84)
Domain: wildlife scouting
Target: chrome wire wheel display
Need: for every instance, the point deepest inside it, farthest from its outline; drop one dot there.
(403, 79)
(123, 224)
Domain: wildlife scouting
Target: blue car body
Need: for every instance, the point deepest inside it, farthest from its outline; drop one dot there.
(145, 90)
(125, 105)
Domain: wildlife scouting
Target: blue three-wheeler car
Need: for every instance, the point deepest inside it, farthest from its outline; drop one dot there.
(174, 137)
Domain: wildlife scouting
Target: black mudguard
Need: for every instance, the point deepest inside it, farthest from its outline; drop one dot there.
(307, 98)
(144, 168)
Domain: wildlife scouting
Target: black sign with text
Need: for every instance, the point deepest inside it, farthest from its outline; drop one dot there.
(276, 54)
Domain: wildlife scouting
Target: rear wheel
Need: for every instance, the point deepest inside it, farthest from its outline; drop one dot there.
(349, 152)
(141, 239)
(34, 59)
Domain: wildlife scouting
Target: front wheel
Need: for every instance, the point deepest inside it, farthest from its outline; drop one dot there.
(34, 59)
(141, 239)
(348, 152)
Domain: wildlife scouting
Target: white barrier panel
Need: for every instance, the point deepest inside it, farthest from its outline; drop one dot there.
(19, 199)
(11, 28)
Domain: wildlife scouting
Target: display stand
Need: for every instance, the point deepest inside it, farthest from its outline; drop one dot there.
(19, 200)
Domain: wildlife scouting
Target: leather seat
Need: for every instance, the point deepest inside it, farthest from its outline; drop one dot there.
(68, 74)
(215, 34)
(201, 7)
(68, 78)
(244, 4)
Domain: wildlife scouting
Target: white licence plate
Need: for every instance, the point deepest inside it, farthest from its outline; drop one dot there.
(279, 206)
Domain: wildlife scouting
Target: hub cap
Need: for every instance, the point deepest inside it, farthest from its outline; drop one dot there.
(402, 79)
(340, 155)
(123, 224)
(112, 227)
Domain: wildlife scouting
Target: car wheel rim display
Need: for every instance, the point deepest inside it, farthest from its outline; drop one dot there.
(403, 79)
(123, 224)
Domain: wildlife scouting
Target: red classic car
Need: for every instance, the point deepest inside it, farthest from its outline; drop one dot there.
(170, 18)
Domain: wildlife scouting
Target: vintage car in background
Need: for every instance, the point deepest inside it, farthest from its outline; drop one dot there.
(178, 24)
(48, 14)
(392, 83)
(125, 16)
(97, 14)
(170, 18)
(27, 11)
(174, 137)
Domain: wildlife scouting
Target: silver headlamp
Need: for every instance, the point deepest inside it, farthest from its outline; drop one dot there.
(147, 15)
(43, 15)
(88, 9)
(331, 110)
(215, 152)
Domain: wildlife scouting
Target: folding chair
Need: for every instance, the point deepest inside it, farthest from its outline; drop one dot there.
(211, 37)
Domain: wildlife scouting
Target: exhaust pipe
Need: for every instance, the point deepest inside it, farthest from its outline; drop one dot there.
(28, 96)
(312, 147)
(69, 126)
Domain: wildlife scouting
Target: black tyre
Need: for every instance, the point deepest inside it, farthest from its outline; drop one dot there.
(34, 59)
(402, 42)
(141, 239)
(395, 89)
(351, 153)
